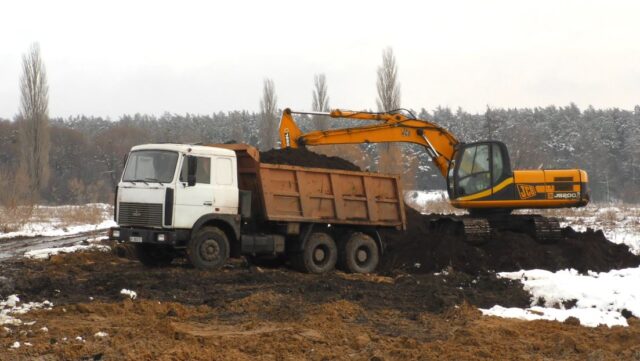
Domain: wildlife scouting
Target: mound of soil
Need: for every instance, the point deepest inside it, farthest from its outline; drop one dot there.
(432, 244)
(305, 158)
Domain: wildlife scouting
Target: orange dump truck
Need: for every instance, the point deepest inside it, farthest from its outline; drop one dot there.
(215, 201)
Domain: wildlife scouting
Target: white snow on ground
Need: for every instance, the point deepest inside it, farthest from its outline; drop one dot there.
(422, 198)
(54, 227)
(100, 334)
(599, 297)
(131, 294)
(46, 253)
(11, 306)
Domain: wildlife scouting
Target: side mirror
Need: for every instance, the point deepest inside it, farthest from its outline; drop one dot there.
(192, 167)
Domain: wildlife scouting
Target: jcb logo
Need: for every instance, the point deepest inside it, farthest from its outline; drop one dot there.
(526, 191)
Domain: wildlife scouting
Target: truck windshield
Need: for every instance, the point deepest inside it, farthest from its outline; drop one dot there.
(150, 166)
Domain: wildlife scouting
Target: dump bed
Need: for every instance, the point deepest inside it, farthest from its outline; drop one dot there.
(286, 193)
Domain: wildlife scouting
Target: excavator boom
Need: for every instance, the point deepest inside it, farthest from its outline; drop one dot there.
(389, 127)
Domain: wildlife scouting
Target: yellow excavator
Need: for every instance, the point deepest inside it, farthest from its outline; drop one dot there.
(479, 175)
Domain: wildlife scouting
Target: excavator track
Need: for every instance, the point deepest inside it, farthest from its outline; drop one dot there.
(476, 230)
(547, 230)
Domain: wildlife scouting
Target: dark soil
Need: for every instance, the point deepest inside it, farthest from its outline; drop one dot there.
(74, 278)
(306, 158)
(432, 244)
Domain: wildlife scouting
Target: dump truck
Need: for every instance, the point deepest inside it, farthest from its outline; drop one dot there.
(211, 202)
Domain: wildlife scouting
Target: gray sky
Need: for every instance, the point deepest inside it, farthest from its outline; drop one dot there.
(107, 58)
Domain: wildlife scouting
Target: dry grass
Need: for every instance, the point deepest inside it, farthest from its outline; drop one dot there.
(75, 215)
(13, 217)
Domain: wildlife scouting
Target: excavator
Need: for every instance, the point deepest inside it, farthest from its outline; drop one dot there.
(478, 175)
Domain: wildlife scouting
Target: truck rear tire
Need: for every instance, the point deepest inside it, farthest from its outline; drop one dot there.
(360, 254)
(319, 255)
(153, 255)
(208, 249)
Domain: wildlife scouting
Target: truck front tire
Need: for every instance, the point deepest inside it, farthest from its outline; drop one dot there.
(208, 249)
(319, 255)
(152, 255)
(360, 254)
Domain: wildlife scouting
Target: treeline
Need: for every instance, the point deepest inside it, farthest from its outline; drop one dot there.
(87, 153)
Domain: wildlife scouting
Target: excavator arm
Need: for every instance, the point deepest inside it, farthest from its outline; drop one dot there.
(388, 127)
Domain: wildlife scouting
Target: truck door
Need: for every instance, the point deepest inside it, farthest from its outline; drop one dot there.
(193, 202)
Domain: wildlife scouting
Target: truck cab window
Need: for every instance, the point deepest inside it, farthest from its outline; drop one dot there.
(203, 172)
(224, 174)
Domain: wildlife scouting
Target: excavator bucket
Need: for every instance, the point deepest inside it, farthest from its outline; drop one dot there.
(289, 131)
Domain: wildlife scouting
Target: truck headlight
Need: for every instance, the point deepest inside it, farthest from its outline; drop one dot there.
(161, 238)
(115, 233)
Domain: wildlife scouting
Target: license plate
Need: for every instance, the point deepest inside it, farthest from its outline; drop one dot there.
(135, 239)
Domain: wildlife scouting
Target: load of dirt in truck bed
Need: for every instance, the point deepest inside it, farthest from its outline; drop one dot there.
(305, 158)
(432, 244)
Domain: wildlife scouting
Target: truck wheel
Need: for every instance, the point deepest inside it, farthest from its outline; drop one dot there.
(319, 255)
(208, 249)
(152, 255)
(360, 254)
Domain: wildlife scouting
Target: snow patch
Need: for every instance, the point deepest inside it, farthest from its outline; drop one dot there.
(11, 306)
(595, 298)
(55, 228)
(131, 294)
(100, 334)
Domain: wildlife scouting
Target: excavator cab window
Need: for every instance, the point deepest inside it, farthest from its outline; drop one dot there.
(477, 167)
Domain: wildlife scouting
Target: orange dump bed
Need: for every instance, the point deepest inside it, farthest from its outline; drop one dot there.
(299, 194)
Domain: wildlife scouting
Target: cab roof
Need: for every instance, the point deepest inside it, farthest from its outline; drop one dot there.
(186, 148)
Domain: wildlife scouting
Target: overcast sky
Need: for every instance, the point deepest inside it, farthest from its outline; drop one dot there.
(114, 57)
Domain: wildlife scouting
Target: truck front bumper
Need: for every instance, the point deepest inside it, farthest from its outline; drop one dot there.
(148, 235)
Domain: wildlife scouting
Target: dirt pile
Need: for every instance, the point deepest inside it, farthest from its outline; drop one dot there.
(306, 158)
(432, 244)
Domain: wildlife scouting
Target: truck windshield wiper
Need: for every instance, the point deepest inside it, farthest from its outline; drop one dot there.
(140, 180)
(154, 180)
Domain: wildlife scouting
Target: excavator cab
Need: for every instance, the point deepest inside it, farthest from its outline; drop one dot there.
(476, 169)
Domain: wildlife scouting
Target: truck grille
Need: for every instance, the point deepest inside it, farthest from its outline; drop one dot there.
(140, 214)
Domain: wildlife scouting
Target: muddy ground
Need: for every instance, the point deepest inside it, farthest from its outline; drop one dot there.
(247, 313)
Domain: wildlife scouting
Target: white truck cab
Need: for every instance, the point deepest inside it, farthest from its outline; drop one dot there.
(167, 189)
(152, 169)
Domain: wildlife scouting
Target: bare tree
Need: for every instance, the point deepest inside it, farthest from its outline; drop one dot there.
(320, 101)
(390, 155)
(269, 124)
(33, 119)
(387, 84)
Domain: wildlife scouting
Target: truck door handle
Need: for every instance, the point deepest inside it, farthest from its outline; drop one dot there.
(207, 203)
